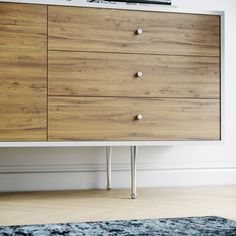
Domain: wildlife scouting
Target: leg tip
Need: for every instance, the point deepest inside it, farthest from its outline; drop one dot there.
(109, 188)
(134, 195)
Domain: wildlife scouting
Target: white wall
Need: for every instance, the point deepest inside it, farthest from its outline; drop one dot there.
(77, 168)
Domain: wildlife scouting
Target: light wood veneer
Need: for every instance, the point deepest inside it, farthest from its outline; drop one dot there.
(68, 73)
(97, 119)
(107, 30)
(108, 74)
(23, 70)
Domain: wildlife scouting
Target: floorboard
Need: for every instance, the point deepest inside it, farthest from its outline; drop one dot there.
(96, 205)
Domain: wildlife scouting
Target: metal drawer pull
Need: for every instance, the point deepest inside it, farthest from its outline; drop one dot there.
(139, 117)
(139, 31)
(139, 74)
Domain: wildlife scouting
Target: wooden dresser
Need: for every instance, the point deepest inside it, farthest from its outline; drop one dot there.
(109, 75)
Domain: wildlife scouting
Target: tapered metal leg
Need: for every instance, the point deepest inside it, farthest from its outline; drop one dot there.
(133, 150)
(108, 157)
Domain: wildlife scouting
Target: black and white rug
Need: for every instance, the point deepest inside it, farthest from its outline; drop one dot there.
(202, 226)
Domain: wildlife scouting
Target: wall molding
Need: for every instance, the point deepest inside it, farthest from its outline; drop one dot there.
(151, 166)
(15, 178)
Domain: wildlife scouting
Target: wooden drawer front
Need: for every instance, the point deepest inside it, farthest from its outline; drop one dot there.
(87, 118)
(106, 30)
(106, 74)
(23, 75)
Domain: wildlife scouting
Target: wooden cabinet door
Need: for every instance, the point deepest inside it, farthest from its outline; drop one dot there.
(23, 74)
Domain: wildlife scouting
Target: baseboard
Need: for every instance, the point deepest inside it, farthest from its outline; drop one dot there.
(87, 176)
(153, 166)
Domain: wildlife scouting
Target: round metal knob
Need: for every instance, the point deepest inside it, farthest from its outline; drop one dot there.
(139, 74)
(139, 31)
(139, 117)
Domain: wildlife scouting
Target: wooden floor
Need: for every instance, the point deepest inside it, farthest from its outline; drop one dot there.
(94, 205)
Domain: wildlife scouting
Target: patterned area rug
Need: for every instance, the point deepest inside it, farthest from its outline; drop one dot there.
(203, 226)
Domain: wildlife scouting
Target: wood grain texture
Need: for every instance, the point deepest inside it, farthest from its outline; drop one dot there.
(23, 46)
(107, 30)
(101, 205)
(107, 74)
(72, 118)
